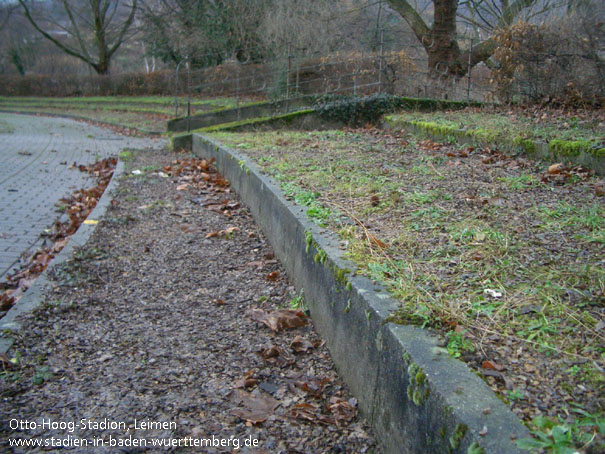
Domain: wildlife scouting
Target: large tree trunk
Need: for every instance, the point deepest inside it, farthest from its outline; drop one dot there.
(442, 49)
(445, 58)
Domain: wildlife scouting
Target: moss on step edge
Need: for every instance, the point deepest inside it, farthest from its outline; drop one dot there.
(458, 435)
(253, 121)
(222, 109)
(434, 104)
(527, 145)
(576, 147)
(482, 135)
(418, 389)
(320, 256)
(561, 147)
(435, 128)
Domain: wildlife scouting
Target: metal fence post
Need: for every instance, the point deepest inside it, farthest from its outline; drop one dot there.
(176, 89)
(288, 80)
(188, 96)
(468, 84)
(297, 77)
(237, 90)
(380, 64)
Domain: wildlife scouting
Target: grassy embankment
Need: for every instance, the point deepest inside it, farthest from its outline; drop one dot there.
(506, 265)
(148, 113)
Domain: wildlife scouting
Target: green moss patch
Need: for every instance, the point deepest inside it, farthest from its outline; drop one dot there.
(566, 139)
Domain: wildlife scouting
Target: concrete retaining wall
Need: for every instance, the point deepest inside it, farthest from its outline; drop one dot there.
(267, 109)
(417, 398)
(541, 150)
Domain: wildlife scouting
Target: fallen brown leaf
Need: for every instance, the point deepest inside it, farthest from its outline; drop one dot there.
(6, 302)
(376, 241)
(312, 385)
(247, 381)
(556, 168)
(280, 319)
(308, 412)
(301, 345)
(272, 276)
(492, 365)
(276, 355)
(255, 407)
(343, 411)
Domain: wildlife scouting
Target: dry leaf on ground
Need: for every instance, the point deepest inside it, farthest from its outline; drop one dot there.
(312, 385)
(301, 345)
(247, 381)
(280, 319)
(272, 276)
(343, 411)
(556, 168)
(309, 412)
(276, 355)
(255, 408)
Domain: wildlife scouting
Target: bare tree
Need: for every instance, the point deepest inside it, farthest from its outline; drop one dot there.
(204, 31)
(440, 40)
(17, 43)
(92, 30)
(6, 10)
(302, 29)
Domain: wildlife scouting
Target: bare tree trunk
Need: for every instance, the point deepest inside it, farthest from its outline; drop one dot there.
(440, 40)
(443, 50)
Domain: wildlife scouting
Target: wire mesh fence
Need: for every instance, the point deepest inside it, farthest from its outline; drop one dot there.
(392, 62)
(352, 73)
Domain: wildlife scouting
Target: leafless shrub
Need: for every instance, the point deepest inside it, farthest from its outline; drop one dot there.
(559, 61)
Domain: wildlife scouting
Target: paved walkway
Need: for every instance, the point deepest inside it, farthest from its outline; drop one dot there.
(36, 153)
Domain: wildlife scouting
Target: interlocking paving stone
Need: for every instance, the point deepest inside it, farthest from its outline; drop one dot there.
(35, 174)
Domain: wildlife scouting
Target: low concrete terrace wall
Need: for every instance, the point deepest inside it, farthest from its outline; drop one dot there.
(557, 150)
(417, 398)
(264, 109)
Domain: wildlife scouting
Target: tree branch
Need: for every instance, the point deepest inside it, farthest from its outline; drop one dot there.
(60, 45)
(125, 28)
(510, 14)
(76, 30)
(414, 20)
(480, 53)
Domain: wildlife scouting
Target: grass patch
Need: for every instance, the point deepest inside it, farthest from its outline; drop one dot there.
(146, 113)
(493, 125)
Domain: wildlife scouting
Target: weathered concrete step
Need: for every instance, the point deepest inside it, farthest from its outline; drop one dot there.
(555, 150)
(417, 398)
(257, 110)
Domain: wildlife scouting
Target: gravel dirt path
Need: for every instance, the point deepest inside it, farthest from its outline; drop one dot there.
(160, 319)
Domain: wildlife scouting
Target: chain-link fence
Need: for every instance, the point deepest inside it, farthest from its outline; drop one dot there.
(349, 73)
